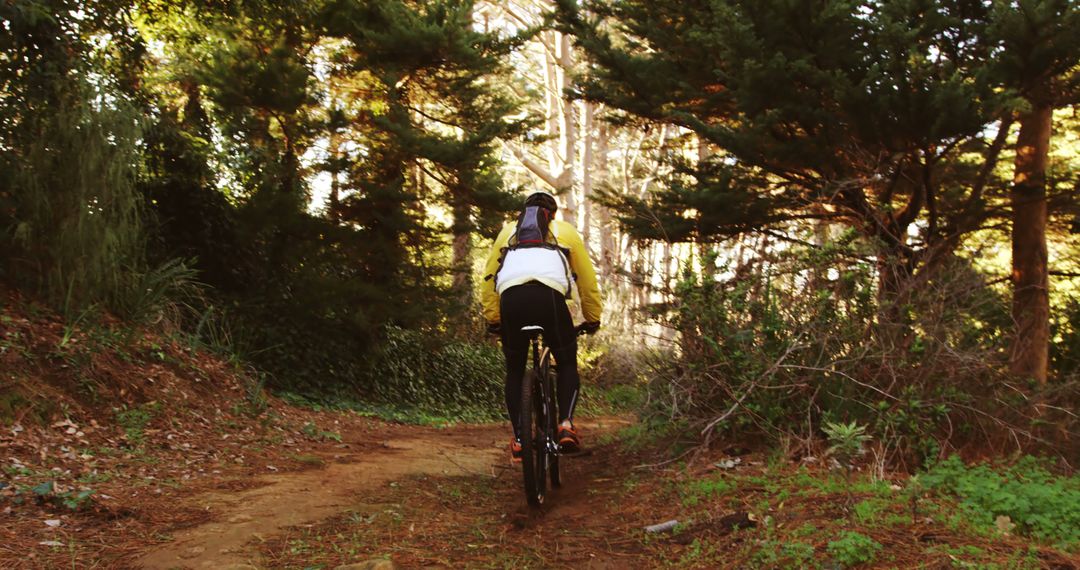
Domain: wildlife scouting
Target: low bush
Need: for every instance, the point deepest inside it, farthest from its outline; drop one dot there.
(1038, 503)
(451, 378)
(795, 340)
(853, 549)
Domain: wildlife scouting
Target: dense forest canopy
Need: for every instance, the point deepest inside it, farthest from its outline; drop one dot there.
(816, 210)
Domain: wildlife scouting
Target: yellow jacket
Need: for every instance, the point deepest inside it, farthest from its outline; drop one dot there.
(581, 266)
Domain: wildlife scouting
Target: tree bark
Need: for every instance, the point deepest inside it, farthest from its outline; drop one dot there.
(708, 264)
(569, 130)
(1031, 287)
(333, 209)
(462, 232)
(608, 249)
(587, 173)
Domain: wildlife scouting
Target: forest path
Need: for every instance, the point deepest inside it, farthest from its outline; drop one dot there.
(289, 499)
(244, 519)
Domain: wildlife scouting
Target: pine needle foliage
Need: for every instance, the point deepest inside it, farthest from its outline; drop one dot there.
(71, 221)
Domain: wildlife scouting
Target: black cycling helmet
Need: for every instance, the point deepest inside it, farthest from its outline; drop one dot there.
(542, 199)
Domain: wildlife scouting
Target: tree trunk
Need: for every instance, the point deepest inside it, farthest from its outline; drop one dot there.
(462, 249)
(333, 209)
(708, 263)
(894, 281)
(569, 131)
(1031, 287)
(587, 173)
(551, 103)
(608, 248)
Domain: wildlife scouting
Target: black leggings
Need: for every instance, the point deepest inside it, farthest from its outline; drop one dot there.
(536, 304)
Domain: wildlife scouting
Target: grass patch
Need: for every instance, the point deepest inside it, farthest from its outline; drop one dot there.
(134, 420)
(644, 434)
(613, 400)
(853, 548)
(697, 490)
(407, 414)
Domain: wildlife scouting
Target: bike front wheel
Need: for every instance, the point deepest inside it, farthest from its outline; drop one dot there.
(534, 460)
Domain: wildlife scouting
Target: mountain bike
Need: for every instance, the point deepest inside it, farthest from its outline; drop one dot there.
(539, 421)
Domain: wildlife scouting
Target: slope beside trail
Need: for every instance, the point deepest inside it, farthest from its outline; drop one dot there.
(241, 521)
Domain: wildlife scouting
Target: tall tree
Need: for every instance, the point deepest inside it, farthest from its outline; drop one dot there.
(871, 110)
(1041, 41)
(446, 110)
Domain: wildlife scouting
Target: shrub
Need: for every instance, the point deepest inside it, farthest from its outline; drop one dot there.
(417, 368)
(73, 225)
(797, 339)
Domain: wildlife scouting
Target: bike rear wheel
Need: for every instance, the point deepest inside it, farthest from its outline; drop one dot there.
(534, 460)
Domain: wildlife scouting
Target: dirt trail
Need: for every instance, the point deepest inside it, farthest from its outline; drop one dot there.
(305, 497)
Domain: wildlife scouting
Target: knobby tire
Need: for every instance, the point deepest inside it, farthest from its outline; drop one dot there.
(552, 425)
(533, 449)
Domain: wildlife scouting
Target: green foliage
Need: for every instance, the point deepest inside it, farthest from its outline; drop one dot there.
(867, 512)
(794, 344)
(920, 86)
(416, 369)
(886, 127)
(312, 431)
(694, 491)
(75, 228)
(852, 548)
(134, 420)
(846, 441)
(649, 431)
(47, 492)
(1065, 353)
(784, 554)
(119, 161)
(622, 398)
(1041, 505)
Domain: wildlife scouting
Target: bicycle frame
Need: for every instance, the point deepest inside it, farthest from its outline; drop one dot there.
(542, 359)
(540, 449)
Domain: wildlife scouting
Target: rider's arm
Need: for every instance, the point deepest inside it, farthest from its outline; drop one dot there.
(489, 298)
(584, 273)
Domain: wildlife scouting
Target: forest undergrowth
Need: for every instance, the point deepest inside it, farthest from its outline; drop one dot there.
(793, 343)
(108, 424)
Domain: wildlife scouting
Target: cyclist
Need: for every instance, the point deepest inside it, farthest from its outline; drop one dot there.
(529, 285)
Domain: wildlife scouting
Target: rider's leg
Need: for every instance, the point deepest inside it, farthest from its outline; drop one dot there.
(515, 308)
(564, 347)
(515, 371)
(546, 307)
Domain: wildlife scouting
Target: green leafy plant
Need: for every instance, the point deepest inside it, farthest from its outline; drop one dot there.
(784, 554)
(852, 549)
(846, 441)
(134, 420)
(1039, 504)
(46, 492)
(451, 379)
(312, 431)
